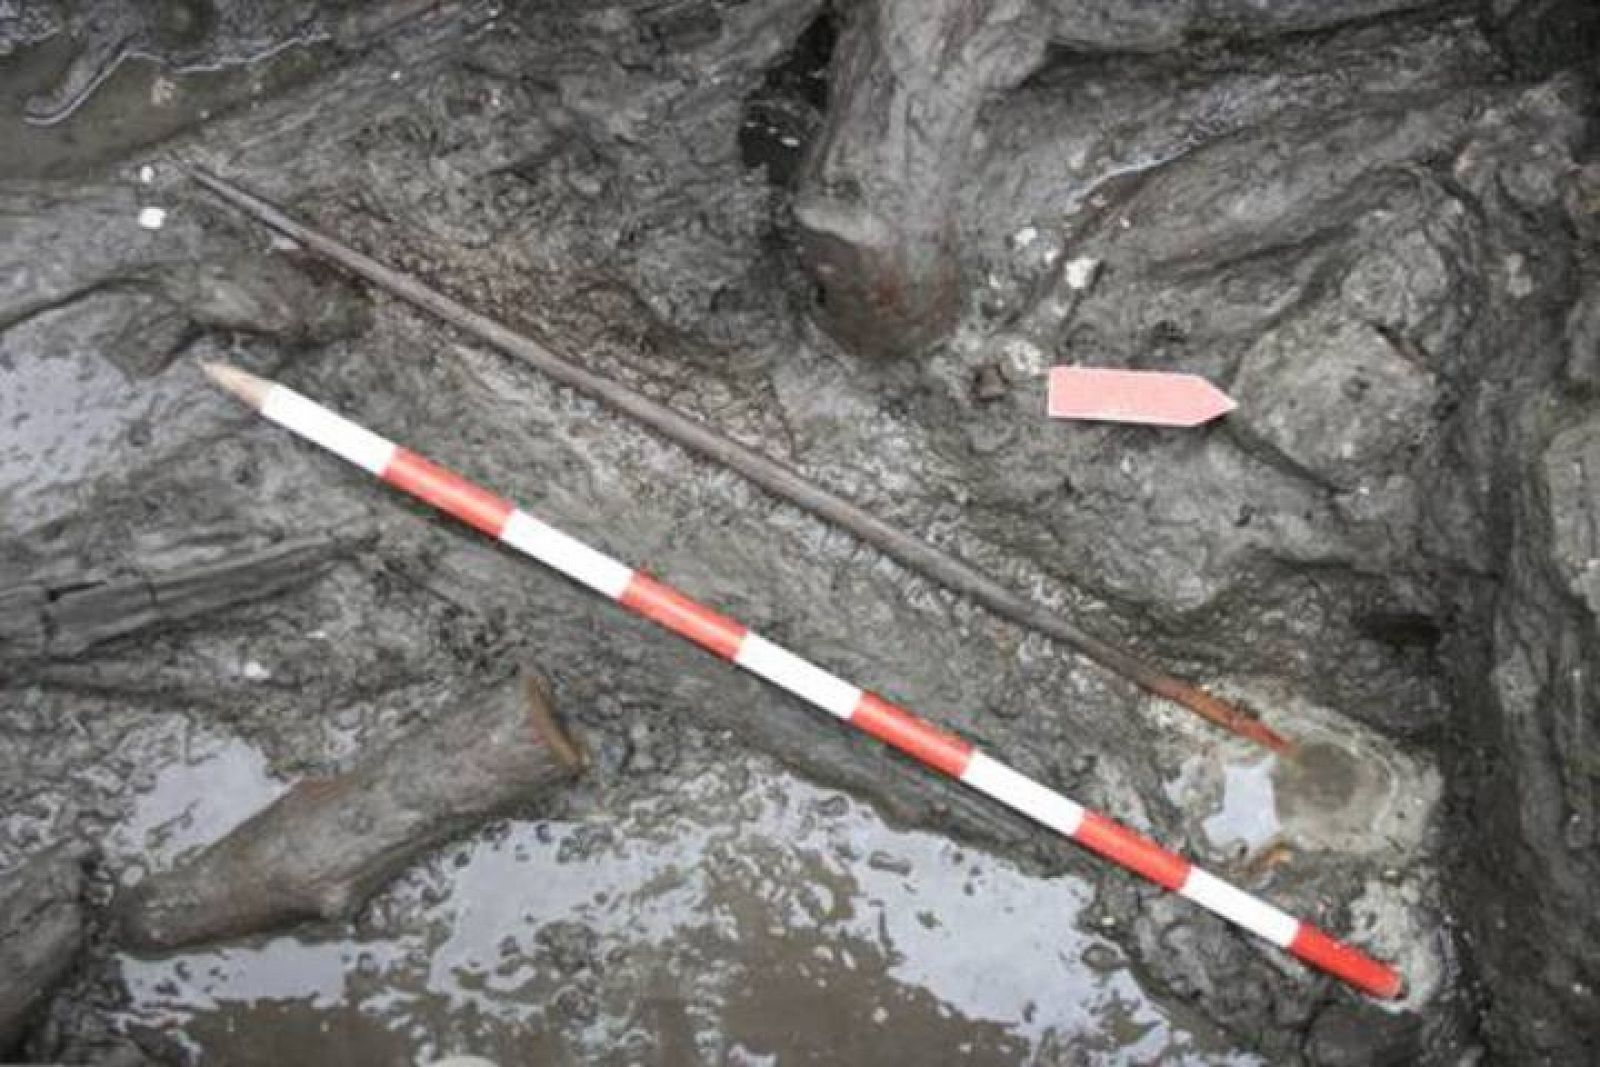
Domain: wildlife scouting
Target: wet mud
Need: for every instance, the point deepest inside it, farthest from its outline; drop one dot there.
(739, 916)
(1374, 224)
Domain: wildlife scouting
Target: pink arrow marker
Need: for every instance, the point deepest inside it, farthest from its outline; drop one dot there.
(1153, 398)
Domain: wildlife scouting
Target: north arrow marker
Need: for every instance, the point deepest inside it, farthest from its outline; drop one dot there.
(1150, 398)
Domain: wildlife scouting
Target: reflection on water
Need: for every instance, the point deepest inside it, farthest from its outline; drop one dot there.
(59, 418)
(1248, 815)
(1344, 790)
(67, 415)
(742, 916)
(220, 784)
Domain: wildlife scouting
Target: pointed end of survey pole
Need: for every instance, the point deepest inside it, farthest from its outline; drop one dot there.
(1148, 398)
(242, 384)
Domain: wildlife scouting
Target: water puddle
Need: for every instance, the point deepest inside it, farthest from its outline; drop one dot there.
(1344, 790)
(1346, 795)
(220, 784)
(60, 418)
(743, 916)
(139, 102)
(67, 415)
(1248, 815)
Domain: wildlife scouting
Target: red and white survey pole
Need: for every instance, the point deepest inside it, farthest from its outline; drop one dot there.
(724, 637)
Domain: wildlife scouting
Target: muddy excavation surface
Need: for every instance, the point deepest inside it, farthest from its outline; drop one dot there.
(295, 769)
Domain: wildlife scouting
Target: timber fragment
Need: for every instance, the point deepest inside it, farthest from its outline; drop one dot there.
(876, 206)
(42, 929)
(66, 618)
(320, 850)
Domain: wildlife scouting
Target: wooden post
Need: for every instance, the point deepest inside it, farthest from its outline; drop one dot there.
(323, 848)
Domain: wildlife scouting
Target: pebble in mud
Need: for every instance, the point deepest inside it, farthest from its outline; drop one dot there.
(576, 1004)
(833, 806)
(569, 946)
(1102, 958)
(883, 861)
(989, 384)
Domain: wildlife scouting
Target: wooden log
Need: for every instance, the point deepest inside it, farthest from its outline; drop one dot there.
(876, 205)
(875, 209)
(41, 933)
(63, 620)
(323, 848)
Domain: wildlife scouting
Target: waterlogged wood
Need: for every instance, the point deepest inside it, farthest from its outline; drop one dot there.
(41, 933)
(67, 618)
(875, 212)
(323, 848)
(875, 209)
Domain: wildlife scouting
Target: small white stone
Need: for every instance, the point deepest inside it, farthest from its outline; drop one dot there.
(1518, 283)
(255, 672)
(1023, 359)
(1080, 272)
(1025, 236)
(147, 174)
(152, 218)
